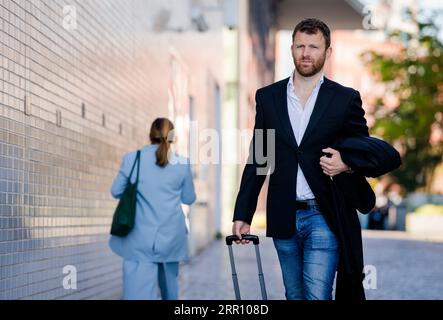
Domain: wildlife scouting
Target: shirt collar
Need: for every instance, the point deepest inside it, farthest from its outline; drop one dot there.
(291, 81)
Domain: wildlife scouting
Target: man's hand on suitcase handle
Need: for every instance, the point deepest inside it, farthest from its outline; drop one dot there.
(248, 237)
(238, 228)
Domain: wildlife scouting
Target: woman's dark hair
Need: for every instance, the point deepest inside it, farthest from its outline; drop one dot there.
(162, 133)
(312, 26)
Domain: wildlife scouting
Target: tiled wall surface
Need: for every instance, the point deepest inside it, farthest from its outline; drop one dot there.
(78, 89)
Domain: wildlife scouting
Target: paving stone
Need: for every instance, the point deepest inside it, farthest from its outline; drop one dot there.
(406, 268)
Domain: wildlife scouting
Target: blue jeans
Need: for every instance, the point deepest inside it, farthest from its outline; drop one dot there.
(309, 259)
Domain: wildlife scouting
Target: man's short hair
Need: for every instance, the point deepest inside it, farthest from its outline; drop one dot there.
(312, 26)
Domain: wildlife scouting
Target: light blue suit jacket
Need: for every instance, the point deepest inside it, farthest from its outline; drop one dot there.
(160, 233)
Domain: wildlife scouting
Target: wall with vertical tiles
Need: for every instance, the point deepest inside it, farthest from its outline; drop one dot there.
(80, 83)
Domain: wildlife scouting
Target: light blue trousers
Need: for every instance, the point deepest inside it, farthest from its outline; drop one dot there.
(144, 280)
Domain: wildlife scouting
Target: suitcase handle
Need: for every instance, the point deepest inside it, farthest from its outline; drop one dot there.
(261, 278)
(251, 237)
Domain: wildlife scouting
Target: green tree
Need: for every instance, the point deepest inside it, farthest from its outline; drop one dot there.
(415, 76)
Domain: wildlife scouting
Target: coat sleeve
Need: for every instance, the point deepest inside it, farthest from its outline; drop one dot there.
(356, 189)
(355, 125)
(371, 156)
(121, 180)
(188, 195)
(252, 181)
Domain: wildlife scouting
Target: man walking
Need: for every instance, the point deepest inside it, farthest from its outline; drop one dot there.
(309, 114)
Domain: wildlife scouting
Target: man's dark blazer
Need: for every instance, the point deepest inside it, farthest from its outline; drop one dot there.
(337, 114)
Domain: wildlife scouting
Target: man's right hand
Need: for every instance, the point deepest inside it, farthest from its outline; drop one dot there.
(238, 228)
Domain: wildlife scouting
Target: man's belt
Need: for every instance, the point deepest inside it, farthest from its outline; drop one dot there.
(305, 204)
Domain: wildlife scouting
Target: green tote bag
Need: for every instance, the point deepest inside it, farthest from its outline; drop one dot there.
(124, 215)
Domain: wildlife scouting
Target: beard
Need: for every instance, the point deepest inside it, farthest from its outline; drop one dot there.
(311, 69)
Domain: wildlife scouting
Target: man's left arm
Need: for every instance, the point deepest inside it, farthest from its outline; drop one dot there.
(354, 126)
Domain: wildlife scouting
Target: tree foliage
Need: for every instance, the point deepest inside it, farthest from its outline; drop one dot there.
(415, 76)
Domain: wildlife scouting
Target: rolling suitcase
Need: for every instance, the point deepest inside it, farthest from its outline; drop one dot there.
(255, 241)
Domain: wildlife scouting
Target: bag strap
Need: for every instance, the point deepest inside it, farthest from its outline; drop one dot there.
(138, 166)
(136, 160)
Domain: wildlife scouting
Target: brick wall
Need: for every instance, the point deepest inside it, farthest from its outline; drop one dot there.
(77, 91)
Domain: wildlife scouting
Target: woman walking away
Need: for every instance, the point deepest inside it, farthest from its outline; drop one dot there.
(158, 242)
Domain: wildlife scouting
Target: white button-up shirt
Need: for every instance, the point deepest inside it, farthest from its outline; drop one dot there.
(299, 118)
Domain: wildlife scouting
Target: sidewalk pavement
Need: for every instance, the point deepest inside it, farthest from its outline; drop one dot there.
(208, 275)
(409, 266)
(406, 266)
